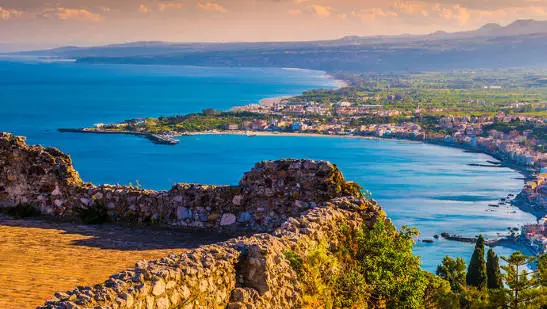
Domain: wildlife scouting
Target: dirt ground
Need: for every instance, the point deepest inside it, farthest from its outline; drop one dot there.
(39, 258)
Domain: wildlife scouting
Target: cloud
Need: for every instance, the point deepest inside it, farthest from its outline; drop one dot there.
(163, 6)
(295, 12)
(211, 6)
(372, 14)
(461, 14)
(320, 10)
(105, 9)
(72, 14)
(412, 7)
(7, 14)
(144, 9)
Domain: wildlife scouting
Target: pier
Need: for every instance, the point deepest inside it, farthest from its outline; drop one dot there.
(161, 139)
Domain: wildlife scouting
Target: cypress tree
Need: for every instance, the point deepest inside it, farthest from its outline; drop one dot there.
(476, 272)
(493, 270)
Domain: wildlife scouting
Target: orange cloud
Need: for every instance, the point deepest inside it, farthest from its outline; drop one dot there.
(412, 7)
(457, 12)
(320, 10)
(211, 6)
(295, 12)
(373, 14)
(144, 9)
(73, 14)
(7, 14)
(169, 5)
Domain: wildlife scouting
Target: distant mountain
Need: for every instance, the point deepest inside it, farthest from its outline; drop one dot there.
(521, 43)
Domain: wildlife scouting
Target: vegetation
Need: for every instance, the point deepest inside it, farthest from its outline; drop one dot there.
(476, 273)
(373, 268)
(453, 271)
(22, 211)
(96, 214)
(523, 285)
(493, 271)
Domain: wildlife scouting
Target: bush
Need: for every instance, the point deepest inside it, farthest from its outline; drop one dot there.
(97, 214)
(22, 211)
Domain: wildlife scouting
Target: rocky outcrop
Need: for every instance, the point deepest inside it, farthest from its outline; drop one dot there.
(246, 272)
(266, 196)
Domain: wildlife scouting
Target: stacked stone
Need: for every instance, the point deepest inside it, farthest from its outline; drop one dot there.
(33, 174)
(266, 196)
(246, 272)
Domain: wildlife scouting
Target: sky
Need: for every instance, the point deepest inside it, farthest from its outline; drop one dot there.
(28, 24)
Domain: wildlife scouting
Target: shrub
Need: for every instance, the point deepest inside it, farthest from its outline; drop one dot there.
(97, 214)
(22, 211)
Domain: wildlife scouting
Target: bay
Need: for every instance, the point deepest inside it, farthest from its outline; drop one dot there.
(427, 186)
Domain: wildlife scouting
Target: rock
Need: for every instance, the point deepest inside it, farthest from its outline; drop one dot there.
(158, 288)
(227, 219)
(184, 213)
(162, 303)
(244, 217)
(237, 200)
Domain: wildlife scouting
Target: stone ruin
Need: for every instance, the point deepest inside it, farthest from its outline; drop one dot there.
(296, 203)
(266, 196)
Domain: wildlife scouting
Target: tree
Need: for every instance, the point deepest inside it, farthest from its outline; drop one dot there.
(476, 273)
(453, 271)
(523, 286)
(391, 271)
(493, 271)
(209, 112)
(438, 294)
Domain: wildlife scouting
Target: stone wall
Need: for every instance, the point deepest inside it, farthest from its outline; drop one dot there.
(267, 195)
(246, 272)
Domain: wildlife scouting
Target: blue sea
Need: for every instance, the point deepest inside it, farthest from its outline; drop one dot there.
(431, 187)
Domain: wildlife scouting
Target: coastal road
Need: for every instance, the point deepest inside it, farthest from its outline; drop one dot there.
(39, 258)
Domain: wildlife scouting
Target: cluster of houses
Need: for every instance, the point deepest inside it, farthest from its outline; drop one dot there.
(535, 235)
(302, 109)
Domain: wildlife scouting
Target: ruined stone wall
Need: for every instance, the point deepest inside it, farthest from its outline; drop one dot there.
(246, 272)
(266, 196)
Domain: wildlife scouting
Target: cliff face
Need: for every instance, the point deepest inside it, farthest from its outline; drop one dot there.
(301, 205)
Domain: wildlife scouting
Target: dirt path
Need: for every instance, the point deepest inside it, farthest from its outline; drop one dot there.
(39, 258)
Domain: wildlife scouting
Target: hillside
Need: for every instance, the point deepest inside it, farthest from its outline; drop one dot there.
(522, 43)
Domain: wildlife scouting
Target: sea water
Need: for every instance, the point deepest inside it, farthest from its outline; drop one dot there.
(431, 187)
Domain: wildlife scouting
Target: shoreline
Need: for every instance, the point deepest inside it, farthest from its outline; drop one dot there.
(502, 163)
(527, 173)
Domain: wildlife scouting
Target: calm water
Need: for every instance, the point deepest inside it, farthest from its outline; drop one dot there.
(430, 187)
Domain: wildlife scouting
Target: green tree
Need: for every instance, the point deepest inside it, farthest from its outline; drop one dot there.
(542, 277)
(523, 285)
(493, 270)
(209, 112)
(438, 294)
(476, 272)
(453, 271)
(392, 273)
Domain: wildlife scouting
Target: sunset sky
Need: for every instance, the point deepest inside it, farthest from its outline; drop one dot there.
(39, 23)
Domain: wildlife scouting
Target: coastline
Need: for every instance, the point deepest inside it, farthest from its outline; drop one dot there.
(525, 172)
(521, 170)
